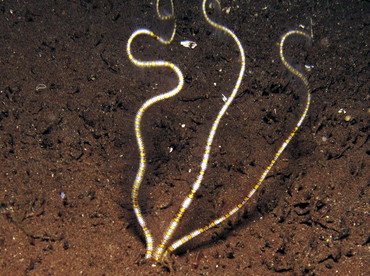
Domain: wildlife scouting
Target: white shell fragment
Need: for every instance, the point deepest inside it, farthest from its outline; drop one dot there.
(40, 86)
(189, 44)
(308, 67)
(342, 111)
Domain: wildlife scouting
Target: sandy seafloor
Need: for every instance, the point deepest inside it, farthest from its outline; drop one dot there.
(68, 154)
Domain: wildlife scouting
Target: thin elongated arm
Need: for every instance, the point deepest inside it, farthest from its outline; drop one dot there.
(139, 115)
(234, 210)
(196, 185)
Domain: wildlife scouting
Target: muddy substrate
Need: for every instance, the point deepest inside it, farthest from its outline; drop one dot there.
(69, 96)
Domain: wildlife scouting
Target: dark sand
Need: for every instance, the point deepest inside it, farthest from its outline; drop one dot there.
(73, 137)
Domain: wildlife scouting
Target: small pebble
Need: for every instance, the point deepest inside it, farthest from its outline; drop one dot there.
(348, 118)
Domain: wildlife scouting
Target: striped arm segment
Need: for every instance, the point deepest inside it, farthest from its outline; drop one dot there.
(140, 113)
(196, 185)
(234, 210)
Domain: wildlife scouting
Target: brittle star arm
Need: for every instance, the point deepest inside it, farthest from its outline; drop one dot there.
(196, 185)
(231, 212)
(139, 115)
